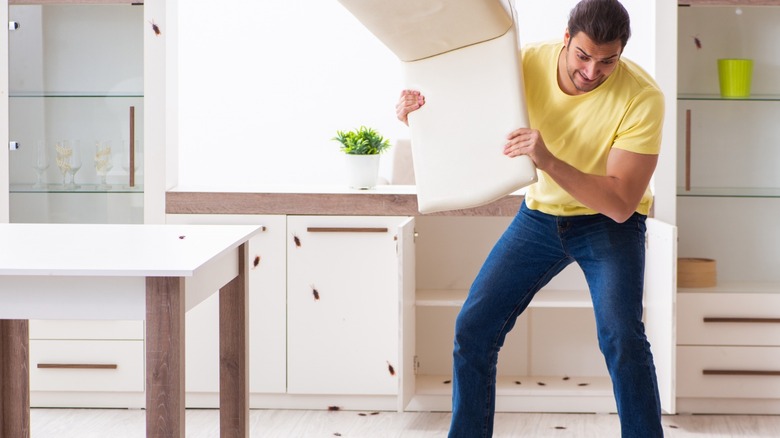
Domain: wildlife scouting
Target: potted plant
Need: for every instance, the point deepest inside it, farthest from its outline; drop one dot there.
(362, 147)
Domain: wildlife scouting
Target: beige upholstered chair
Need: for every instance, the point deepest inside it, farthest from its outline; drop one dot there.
(463, 56)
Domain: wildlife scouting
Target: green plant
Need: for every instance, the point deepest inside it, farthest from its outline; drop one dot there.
(362, 141)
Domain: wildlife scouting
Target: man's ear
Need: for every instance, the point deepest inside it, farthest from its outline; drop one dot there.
(566, 38)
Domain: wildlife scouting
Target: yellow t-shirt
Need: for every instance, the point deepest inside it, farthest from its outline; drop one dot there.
(624, 112)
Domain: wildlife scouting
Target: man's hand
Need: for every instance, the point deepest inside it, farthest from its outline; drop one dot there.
(527, 141)
(410, 100)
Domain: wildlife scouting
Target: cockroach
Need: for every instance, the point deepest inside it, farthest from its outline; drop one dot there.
(375, 413)
(334, 408)
(566, 378)
(583, 384)
(697, 41)
(447, 382)
(257, 261)
(362, 414)
(182, 237)
(517, 382)
(297, 241)
(155, 28)
(336, 434)
(672, 426)
(316, 293)
(541, 383)
(391, 369)
(560, 427)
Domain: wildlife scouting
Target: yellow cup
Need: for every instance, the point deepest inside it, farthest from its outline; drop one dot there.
(735, 76)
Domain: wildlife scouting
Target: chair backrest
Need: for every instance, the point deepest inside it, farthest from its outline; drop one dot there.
(403, 165)
(474, 95)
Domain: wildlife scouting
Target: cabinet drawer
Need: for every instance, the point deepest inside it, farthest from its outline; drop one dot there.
(728, 319)
(106, 330)
(86, 365)
(728, 372)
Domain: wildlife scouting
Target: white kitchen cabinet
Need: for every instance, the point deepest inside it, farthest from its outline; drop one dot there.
(367, 293)
(267, 315)
(345, 284)
(728, 202)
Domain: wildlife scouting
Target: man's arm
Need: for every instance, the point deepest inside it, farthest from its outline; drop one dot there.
(616, 194)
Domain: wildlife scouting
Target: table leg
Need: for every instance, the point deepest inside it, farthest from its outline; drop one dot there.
(165, 357)
(233, 354)
(14, 378)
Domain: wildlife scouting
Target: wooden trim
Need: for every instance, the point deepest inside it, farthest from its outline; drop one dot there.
(740, 373)
(728, 2)
(688, 150)
(730, 319)
(131, 148)
(233, 353)
(165, 357)
(345, 230)
(78, 366)
(14, 378)
(346, 204)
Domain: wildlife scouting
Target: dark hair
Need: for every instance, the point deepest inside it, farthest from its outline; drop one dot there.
(604, 21)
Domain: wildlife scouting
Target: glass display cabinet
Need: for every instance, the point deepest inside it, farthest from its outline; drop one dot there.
(76, 113)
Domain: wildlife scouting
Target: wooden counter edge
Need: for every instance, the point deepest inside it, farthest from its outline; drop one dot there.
(341, 204)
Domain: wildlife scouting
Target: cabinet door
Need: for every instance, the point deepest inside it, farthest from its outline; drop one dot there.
(408, 291)
(75, 102)
(660, 293)
(267, 308)
(343, 305)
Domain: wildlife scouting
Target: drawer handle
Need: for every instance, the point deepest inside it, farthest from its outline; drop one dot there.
(740, 373)
(743, 320)
(345, 230)
(79, 366)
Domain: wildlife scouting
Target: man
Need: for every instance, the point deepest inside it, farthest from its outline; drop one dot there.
(595, 136)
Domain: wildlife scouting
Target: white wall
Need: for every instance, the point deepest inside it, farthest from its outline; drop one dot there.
(263, 85)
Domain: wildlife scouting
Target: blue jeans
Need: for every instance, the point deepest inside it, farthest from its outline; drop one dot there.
(534, 249)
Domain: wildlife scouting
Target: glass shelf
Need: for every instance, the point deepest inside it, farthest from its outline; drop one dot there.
(730, 192)
(718, 97)
(83, 188)
(73, 94)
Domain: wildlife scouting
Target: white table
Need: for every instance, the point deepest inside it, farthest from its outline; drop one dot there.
(151, 272)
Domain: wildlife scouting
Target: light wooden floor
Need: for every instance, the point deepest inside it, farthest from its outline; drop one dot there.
(119, 423)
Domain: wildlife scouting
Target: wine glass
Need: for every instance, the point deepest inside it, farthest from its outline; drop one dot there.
(69, 162)
(64, 152)
(41, 163)
(103, 163)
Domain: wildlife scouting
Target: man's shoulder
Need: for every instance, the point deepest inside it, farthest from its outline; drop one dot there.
(541, 48)
(638, 76)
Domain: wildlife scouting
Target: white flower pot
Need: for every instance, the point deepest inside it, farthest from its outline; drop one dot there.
(362, 171)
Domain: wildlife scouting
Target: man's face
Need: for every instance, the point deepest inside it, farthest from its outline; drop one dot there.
(584, 65)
